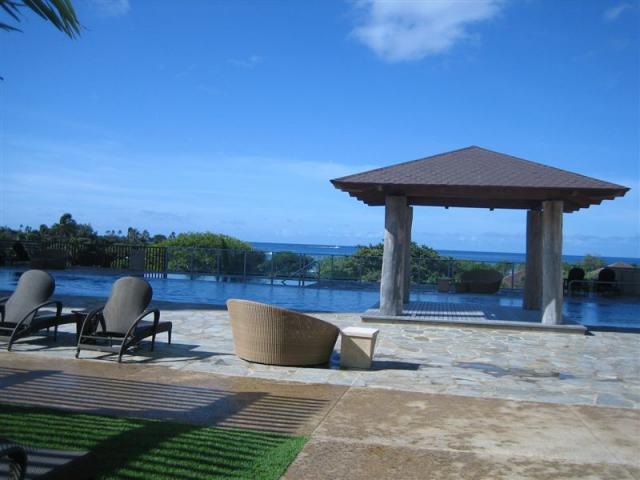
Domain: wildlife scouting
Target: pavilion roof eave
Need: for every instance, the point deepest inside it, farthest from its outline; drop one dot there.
(505, 197)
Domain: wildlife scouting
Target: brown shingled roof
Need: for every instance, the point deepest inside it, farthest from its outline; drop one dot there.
(477, 177)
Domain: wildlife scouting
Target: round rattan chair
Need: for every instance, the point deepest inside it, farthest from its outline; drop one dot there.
(277, 336)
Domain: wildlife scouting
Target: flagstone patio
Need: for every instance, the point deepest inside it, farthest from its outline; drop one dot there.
(601, 369)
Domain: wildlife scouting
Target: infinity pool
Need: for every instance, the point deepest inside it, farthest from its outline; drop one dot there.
(594, 312)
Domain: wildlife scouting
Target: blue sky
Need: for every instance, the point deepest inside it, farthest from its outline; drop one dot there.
(233, 116)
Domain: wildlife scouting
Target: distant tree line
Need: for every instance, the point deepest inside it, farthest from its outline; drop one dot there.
(68, 228)
(207, 252)
(192, 251)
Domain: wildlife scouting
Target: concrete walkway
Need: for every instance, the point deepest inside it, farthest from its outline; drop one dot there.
(355, 433)
(393, 435)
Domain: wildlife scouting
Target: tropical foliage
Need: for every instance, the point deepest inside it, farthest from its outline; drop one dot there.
(211, 252)
(427, 265)
(59, 12)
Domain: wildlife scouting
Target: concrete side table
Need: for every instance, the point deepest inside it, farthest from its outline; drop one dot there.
(358, 344)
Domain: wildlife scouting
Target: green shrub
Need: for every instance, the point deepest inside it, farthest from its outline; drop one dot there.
(197, 252)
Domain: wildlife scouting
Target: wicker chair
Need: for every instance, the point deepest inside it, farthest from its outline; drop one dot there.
(479, 281)
(575, 282)
(605, 285)
(276, 336)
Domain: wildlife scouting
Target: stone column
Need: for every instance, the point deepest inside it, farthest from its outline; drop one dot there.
(407, 258)
(533, 270)
(552, 262)
(393, 262)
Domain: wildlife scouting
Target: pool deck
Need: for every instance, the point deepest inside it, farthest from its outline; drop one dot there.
(598, 369)
(457, 402)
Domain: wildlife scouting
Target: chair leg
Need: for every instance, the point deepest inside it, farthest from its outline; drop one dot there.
(78, 353)
(55, 333)
(153, 341)
(170, 334)
(14, 336)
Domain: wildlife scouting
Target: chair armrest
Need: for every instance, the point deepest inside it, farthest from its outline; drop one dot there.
(34, 311)
(57, 303)
(4, 299)
(90, 316)
(156, 320)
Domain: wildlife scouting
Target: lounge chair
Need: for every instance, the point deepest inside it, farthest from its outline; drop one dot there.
(479, 281)
(21, 312)
(120, 320)
(276, 336)
(15, 458)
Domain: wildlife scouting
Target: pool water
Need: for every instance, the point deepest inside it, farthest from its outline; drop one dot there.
(179, 288)
(594, 312)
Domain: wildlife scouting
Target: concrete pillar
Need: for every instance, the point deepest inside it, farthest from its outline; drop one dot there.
(393, 261)
(533, 271)
(552, 262)
(406, 295)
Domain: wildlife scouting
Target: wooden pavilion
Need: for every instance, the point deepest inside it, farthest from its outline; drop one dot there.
(479, 178)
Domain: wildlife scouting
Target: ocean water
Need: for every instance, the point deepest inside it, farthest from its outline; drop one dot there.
(314, 249)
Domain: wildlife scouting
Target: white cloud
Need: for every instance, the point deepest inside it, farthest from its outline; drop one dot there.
(401, 30)
(612, 14)
(249, 62)
(111, 8)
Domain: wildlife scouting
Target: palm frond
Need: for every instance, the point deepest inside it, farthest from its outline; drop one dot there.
(8, 28)
(11, 8)
(59, 12)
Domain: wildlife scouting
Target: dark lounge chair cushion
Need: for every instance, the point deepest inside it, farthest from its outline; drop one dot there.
(129, 297)
(34, 287)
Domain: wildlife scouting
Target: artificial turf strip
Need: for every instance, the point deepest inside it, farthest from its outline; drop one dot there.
(122, 447)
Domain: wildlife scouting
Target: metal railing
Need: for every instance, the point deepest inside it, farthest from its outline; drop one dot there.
(234, 264)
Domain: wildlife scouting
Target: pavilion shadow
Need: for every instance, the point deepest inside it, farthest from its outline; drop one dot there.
(254, 423)
(195, 405)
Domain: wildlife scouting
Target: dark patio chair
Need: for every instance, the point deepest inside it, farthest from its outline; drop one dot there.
(606, 282)
(575, 281)
(15, 459)
(120, 320)
(21, 312)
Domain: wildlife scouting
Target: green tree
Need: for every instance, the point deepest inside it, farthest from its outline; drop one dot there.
(158, 238)
(205, 252)
(68, 228)
(427, 265)
(592, 262)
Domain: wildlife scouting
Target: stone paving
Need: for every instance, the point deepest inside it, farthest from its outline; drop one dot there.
(603, 369)
(472, 313)
(354, 433)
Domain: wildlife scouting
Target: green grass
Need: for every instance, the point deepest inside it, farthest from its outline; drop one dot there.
(122, 447)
